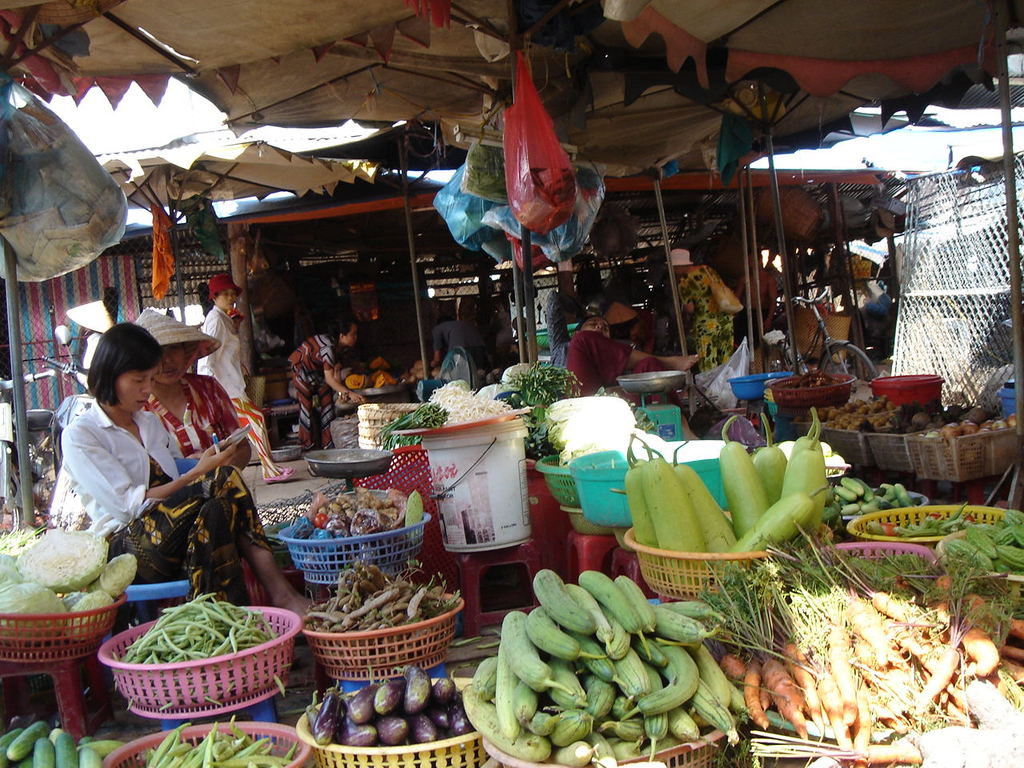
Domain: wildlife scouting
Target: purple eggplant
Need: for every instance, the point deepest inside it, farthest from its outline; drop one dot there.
(326, 720)
(389, 696)
(357, 734)
(360, 705)
(444, 691)
(392, 731)
(422, 729)
(417, 690)
(439, 715)
(458, 722)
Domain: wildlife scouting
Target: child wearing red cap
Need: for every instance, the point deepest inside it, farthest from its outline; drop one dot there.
(225, 365)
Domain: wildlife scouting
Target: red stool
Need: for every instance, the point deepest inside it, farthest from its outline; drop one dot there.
(585, 552)
(77, 716)
(472, 568)
(624, 563)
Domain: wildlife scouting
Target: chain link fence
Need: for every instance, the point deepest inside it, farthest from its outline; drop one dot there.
(955, 276)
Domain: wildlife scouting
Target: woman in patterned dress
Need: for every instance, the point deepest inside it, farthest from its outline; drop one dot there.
(316, 375)
(199, 525)
(709, 332)
(195, 409)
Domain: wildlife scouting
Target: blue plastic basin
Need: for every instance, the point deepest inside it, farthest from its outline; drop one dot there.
(752, 387)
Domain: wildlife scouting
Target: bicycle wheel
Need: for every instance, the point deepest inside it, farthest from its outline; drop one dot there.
(844, 357)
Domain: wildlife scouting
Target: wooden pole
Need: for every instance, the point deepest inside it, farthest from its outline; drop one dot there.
(753, 286)
(529, 306)
(518, 323)
(27, 502)
(403, 153)
(239, 242)
(780, 235)
(756, 255)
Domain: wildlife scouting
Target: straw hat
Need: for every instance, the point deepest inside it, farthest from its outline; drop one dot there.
(167, 331)
(92, 316)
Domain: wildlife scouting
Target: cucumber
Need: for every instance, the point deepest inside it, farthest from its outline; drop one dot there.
(528, 747)
(104, 747)
(5, 741)
(22, 746)
(65, 751)
(485, 679)
(43, 753)
(54, 733)
(87, 758)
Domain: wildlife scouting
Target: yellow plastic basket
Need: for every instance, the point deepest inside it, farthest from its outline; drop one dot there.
(457, 752)
(683, 575)
(858, 527)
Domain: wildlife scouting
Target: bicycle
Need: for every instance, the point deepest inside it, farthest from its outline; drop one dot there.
(838, 355)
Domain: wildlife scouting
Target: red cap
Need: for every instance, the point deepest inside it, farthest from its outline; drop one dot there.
(222, 282)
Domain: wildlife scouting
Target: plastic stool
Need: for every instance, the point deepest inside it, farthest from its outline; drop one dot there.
(261, 711)
(588, 552)
(625, 563)
(75, 717)
(473, 566)
(145, 596)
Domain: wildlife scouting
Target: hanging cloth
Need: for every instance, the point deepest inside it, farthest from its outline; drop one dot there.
(163, 255)
(439, 11)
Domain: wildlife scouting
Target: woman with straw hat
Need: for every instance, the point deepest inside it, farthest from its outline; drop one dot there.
(195, 409)
(225, 365)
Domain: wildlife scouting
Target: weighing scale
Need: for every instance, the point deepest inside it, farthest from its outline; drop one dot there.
(347, 463)
(667, 418)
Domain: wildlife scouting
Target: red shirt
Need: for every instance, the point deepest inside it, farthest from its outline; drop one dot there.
(208, 412)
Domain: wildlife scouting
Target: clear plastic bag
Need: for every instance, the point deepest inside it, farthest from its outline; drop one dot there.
(715, 383)
(539, 178)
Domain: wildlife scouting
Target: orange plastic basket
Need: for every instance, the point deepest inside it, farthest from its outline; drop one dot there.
(55, 636)
(464, 751)
(381, 653)
(683, 575)
(134, 754)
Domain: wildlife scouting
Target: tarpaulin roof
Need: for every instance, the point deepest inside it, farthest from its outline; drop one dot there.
(629, 93)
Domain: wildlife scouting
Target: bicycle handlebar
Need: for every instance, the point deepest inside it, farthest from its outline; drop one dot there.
(816, 300)
(6, 384)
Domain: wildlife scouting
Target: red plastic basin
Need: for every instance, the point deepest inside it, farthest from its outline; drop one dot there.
(902, 390)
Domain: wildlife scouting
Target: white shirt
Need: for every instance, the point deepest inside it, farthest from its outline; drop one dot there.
(109, 468)
(225, 365)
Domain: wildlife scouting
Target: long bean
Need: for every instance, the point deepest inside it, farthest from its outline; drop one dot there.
(234, 749)
(200, 629)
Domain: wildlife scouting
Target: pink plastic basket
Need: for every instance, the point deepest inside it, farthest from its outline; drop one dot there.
(875, 550)
(134, 753)
(206, 687)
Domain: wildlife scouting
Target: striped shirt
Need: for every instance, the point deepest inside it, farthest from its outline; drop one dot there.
(208, 412)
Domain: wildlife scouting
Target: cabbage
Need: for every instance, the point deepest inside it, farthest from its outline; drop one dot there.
(87, 601)
(9, 573)
(64, 561)
(582, 425)
(29, 598)
(116, 576)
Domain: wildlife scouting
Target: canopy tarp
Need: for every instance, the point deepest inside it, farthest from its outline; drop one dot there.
(631, 93)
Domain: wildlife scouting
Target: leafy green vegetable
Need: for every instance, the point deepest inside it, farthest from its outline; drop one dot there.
(9, 573)
(116, 576)
(64, 561)
(87, 601)
(583, 425)
(29, 598)
(427, 416)
(539, 386)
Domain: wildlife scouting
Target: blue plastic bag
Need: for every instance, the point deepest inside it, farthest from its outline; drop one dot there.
(463, 213)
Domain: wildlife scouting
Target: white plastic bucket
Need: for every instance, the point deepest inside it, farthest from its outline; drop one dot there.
(479, 478)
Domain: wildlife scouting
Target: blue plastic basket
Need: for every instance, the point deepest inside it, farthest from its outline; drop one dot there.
(752, 387)
(321, 560)
(596, 474)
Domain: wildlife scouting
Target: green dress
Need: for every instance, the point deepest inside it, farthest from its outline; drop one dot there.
(710, 333)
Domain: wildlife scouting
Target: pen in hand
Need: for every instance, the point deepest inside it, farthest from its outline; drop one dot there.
(216, 444)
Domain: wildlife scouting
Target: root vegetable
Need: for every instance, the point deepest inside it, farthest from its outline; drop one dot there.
(839, 662)
(1012, 652)
(981, 650)
(862, 727)
(733, 666)
(867, 625)
(752, 694)
(786, 695)
(797, 666)
(1017, 629)
(1014, 670)
(832, 706)
(944, 667)
(886, 604)
(899, 752)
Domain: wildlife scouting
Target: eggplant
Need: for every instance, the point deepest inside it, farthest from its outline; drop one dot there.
(357, 734)
(389, 696)
(439, 715)
(392, 731)
(458, 722)
(422, 729)
(444, 691)
(326, 720)
(360, 705)
(417, 690)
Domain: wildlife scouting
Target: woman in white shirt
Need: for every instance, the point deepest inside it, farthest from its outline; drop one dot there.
(121, 461)
(225, 365)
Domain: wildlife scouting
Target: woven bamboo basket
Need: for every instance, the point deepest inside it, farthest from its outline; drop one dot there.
(373, 417)
(838, 326)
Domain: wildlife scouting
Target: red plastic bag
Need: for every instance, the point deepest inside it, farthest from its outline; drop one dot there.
(539, 178)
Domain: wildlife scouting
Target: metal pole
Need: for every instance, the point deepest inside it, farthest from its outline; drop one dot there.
(747, 266)
(529, 307)
(517, 321)
(755, 255)
(179, 286)
(787, 277)
(673, 285)
(18, 377)
(1012, 246)
(411, 239)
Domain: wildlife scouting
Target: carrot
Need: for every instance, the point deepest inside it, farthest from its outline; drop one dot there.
(899, 752)
(787, 697)
(867, 625)
(862, 727)
(1017, 629)
(1012, 652)
(839, 662)
(941, 609)
(733, 666)
(752, 694)
(945, 666)
(1014, 670)
(832, 705)
(943, 583)
(981, 650)
(886, 604)
(797, 666)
